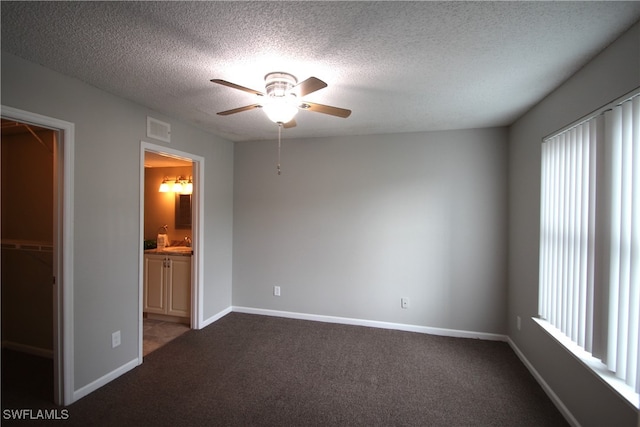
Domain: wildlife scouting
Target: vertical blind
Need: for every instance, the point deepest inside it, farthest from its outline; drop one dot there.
(567, 231)
(590, 237)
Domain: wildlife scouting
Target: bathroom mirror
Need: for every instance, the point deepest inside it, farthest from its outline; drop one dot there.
(183, 211)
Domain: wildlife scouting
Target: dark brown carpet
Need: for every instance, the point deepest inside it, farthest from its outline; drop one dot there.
(249, 370)
(27, 380)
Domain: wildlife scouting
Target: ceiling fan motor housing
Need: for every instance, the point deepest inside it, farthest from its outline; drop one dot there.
(279, 84)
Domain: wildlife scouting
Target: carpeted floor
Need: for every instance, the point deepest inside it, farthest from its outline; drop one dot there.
(27, 381)
(249, 370)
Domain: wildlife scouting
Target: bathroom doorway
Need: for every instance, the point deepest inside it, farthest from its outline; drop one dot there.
(170, 279)
(36, 233)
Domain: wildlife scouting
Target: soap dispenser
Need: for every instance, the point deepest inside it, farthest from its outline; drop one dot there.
(163, 238)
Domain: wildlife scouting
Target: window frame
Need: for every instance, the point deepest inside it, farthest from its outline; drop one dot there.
(594, 364)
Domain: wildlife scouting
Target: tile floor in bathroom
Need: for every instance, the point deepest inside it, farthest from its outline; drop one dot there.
(157, 333)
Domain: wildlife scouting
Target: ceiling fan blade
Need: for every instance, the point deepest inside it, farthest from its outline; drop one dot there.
(239, 110)
(326, 109)
(290, 124)
(235, 86)
(308, 86)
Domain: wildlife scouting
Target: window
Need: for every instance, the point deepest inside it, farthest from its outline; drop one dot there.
(590, 238)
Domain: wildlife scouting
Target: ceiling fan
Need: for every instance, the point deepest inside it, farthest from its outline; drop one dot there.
(283, 98)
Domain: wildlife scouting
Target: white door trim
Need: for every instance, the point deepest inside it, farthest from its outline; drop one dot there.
(197, 282)
(64, 150)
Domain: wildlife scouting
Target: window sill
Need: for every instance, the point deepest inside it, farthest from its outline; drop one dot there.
(594, 365)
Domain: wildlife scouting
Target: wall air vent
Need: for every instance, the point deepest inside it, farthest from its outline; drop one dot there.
(158, 130)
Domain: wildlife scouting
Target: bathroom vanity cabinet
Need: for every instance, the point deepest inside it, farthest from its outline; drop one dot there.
(167, 285)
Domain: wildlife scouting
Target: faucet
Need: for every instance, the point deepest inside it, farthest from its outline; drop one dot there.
(187, 241)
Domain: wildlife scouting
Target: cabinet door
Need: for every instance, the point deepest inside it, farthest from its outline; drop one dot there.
(179, 286)
(154, 284)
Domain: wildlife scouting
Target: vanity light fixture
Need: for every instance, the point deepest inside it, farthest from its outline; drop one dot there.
(181, 185)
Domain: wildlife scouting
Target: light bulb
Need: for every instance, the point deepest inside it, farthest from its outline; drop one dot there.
(187, 188)
(164, 187)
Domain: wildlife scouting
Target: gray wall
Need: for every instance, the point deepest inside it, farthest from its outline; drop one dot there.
(613, 73)
(108, 131)
(355, 223)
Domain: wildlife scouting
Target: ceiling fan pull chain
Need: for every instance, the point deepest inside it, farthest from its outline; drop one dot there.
(279, 145)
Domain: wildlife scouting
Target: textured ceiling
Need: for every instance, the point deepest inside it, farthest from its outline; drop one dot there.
(400, 66)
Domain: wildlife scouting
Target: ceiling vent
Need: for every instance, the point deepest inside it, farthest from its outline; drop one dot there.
(158, 130)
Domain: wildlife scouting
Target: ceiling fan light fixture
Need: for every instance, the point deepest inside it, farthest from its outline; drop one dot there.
(281, 109)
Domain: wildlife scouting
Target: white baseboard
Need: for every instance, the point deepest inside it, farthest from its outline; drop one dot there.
(93, 386)
(215, 317)
(547, 389)
(80, 393)
(29, 349)
(373, 324)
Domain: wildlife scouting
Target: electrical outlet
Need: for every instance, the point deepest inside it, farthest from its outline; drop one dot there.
(404, 302)
(115, 339)
(518, 322)
(276, 291)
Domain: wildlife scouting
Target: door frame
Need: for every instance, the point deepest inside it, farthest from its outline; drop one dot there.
(64, 149)
(197, 206)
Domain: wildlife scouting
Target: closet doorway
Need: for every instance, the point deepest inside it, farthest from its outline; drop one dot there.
(36, 234)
